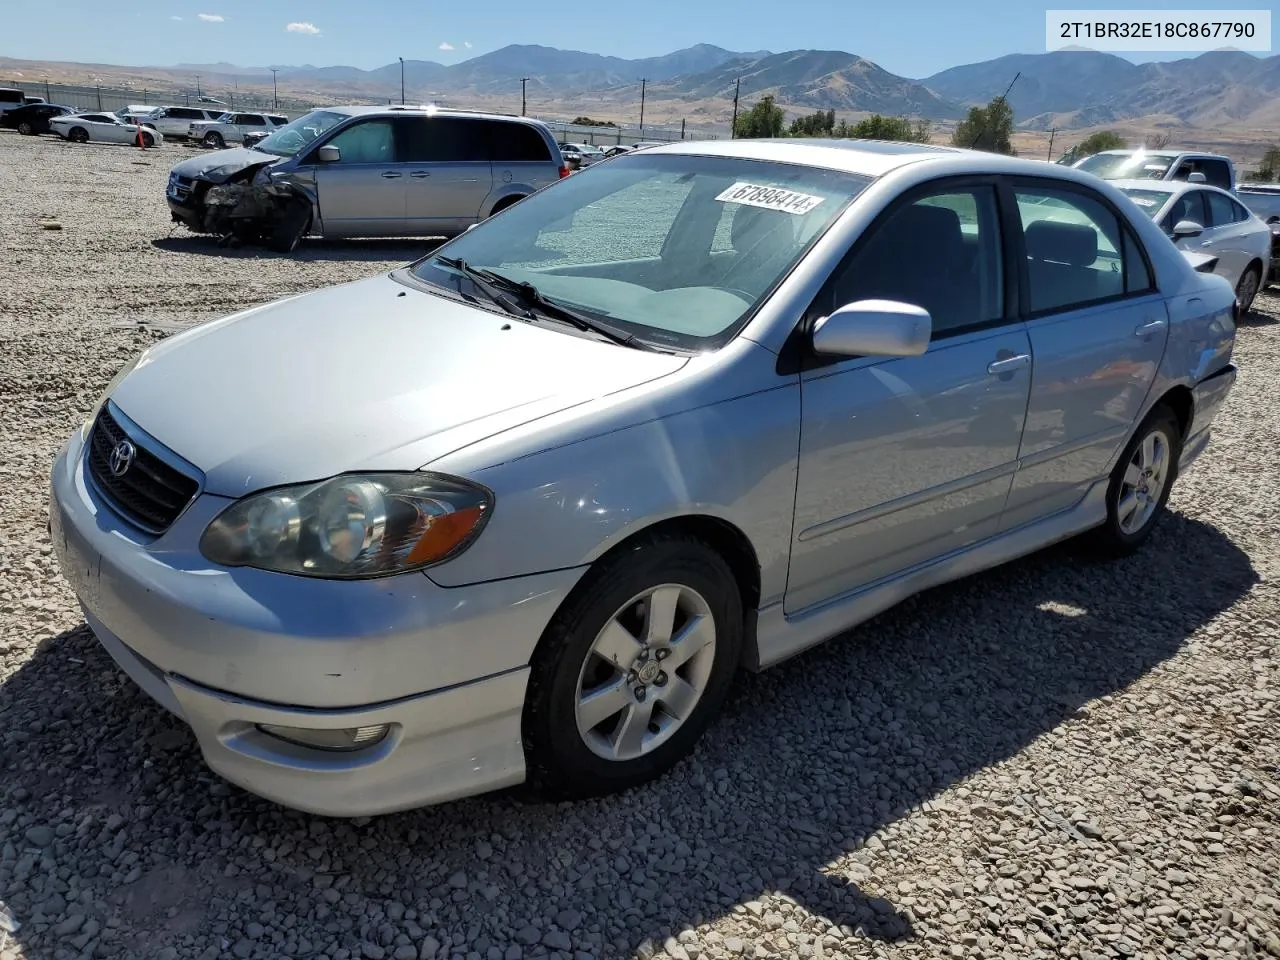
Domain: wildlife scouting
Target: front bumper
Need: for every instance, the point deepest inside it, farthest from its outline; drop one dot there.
(227, 650)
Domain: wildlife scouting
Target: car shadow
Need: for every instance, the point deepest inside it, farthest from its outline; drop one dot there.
(379, 250)
(786, 793)
(1255, 318)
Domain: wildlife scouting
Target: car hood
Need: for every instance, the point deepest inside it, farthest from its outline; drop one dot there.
(371, 375)
(220, 165)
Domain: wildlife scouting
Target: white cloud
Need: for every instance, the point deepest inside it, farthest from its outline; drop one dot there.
(175, 17)
(446, 45)
(211, 17)
(467, 44)
(310, 29)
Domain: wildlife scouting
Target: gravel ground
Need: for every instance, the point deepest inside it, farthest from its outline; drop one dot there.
(1056, 759)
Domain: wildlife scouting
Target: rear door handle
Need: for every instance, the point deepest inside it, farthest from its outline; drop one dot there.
(1149, 328)
(391, 175)
(420, 174)
(1009, 364)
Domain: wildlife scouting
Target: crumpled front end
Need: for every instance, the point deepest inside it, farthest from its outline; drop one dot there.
(249, 207)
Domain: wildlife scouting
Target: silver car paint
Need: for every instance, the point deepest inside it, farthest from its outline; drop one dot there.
(723, 437)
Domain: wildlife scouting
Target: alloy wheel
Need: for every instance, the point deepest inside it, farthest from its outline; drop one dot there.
(1144, 481)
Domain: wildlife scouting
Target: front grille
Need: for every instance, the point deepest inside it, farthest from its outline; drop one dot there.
(180, 187)
(149, 493)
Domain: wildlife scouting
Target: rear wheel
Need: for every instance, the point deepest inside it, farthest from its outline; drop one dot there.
(1140, 484)
(148, 140)
(78, 135)
(632, 669)
(24, 128)
(1247, 288)
(504, 203)
(214, 139)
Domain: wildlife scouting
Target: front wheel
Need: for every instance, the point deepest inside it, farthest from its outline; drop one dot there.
(632, 669)
(25, 129)
(148, 140)
(78, 135)
(214, 139)
(1247, 289)
(1140, 484)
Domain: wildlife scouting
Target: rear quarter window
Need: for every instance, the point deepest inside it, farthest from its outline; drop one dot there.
(516, 143)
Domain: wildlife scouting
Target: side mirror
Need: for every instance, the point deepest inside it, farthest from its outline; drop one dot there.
(328, 154)
(874, 328)
(1196, 177)
(1186, 228)
(472, 226)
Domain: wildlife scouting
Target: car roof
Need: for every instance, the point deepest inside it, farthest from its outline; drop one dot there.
(1162, 152)
(426, 109)
(871, 158)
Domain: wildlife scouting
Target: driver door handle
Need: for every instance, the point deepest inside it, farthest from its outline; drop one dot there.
(1147, 329)
(420, 174)
(391, 175)
(1008, 364)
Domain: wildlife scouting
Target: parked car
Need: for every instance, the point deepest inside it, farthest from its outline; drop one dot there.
(175, 121)
(616, 150)
(367, 172)
(1262, 198)
(213, 101)
(1211, 168)
(590, 473)
(254, 138)
(133, 112)
(33, 118)
(103, 128)
(232, 127)
(30, 99)
(579, 155)
(10, 99)
(1273, 271)
(1208, 220)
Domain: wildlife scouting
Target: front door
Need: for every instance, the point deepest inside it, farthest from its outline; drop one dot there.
(362, 194)
(1098, 329)
(905, 460)
(448, 170)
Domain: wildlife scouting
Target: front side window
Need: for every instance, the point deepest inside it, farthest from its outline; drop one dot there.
(957, 233)
(634, 241)
(300, 133)
(1076, 250)
(372, 141)
(1189, 206)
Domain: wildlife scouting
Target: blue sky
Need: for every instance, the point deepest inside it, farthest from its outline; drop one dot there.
(913, 38)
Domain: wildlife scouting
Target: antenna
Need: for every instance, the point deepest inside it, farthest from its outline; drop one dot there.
(1002, 98)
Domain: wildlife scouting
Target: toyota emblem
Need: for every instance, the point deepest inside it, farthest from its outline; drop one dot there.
(122, 455)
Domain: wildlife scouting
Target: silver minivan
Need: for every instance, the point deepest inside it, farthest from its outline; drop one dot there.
(174, 121)
(367, 172)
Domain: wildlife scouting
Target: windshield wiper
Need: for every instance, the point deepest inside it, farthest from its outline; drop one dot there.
(493, 290)
(536, 298)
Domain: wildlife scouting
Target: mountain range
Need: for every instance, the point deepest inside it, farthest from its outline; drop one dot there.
(1063, 89)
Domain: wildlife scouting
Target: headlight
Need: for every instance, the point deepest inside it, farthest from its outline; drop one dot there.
(353, 526)
(124, 371)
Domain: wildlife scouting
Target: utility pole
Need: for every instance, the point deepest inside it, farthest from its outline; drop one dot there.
(733, 128)
(1052, 133)
(523, 100)
(197, 85)
(402, 81)
(682, 128)
(275, 100)
(643, 82)
(48, 97)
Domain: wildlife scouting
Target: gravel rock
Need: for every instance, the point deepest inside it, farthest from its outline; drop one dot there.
(1059, 758)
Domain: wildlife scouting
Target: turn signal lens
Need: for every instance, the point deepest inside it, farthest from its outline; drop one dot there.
(344, 741)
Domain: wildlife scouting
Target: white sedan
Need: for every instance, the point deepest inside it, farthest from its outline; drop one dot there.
(1203, 219)
(103, 128)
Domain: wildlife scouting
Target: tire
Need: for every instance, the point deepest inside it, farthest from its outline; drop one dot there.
(1247, 288)
(503, 204)
(214, 139)
(289, 230)
(148, 140)
(690, 579)
(25, 129)
(78, 135)
(1119, 536)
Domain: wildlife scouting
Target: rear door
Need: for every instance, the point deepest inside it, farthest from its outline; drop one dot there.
(1098, 328)
(1229, 235)
(362, 194)
(520, 156)
(448, 171)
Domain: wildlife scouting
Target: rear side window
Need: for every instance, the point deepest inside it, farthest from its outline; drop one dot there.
(1216, 173)
(441, 140)
(185, 113)
(516, 143)
(279, 121)
(250, 120)
(1223, 210)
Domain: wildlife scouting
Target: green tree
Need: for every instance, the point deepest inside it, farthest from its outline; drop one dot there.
(1097, 142)
(588, 122)
(876, 127)
(987, 128)
(1269, 169)
(822, 123)
(765, 119)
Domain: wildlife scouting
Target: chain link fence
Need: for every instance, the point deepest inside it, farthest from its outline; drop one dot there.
(93, 97)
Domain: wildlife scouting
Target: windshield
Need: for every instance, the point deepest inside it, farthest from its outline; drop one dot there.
(1149, 202)
(676, 250)
(293, 136)
(1128, 166)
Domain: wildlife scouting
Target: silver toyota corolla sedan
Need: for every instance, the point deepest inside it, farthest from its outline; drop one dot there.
(522, 509)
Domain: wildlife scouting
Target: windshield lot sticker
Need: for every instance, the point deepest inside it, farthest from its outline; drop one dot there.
(1143, 201)
(770, 198)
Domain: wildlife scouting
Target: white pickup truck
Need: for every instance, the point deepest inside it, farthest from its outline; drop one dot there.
(1211, 168)
(232, 127)
(1263, 199)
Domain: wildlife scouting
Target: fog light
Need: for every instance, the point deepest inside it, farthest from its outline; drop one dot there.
(351, 738)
